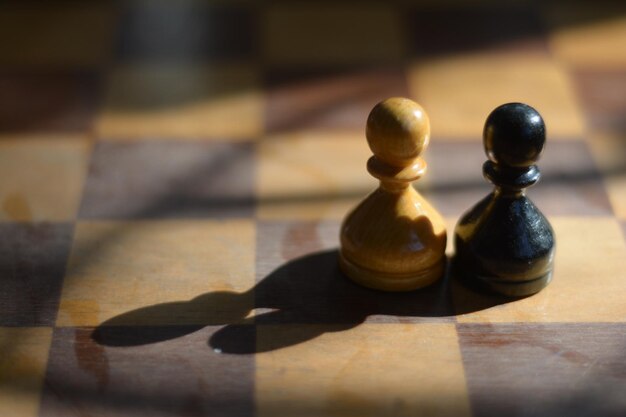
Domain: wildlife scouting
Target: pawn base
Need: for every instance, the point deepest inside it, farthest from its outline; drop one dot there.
(506, 287)
(379, 280)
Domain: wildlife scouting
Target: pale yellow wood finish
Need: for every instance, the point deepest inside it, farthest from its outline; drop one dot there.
(580, 291)
(460, 90)
(362, 372)
(23, 358)
(51, 190)
(116, 267)
(395, 240)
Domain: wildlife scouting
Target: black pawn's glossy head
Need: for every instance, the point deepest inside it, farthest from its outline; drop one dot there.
(514, 135)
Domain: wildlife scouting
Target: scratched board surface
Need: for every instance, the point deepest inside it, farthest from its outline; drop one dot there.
(173, 176)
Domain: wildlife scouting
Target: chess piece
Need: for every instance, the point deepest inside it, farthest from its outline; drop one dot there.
(504, 243)
(394, 240)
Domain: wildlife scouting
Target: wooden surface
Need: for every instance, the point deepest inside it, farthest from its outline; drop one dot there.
(173, 176)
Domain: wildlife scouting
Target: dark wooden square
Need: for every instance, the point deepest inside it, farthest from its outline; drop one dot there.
(32, 266)
(50, 102)
(187, 31)
(308, 100)
(575, 369)
(442, 30)
(169, 179)
(125, 375)
(570, 184)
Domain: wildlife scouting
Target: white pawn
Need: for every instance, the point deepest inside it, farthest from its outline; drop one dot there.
(395, 240)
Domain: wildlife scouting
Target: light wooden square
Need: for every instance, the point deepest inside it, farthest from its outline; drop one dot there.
(23, 358)
(119, 267)
(370, 370)
(330, 34)
(41, 177)
(587, 36)
(588, 283)
(52, 35)
(312, 175)
(459, 92)
(609, 152)
(190, 102)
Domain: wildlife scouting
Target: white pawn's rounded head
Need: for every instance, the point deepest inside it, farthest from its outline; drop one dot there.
(397, 131)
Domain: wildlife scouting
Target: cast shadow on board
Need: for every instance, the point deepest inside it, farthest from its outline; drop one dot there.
(300, 300)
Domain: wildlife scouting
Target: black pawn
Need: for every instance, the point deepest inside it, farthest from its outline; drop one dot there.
(504, 243)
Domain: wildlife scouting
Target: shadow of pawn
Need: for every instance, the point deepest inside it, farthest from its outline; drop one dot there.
(300, 300)
(165, 321)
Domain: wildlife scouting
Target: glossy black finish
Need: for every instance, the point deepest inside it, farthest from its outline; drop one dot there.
(514, 135)
(504, 243)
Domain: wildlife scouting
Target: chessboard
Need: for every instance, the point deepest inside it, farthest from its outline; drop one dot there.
(173, 176)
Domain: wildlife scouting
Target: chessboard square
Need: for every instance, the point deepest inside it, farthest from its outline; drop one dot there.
(371, 369)
(544, 369)
(330, 35)
(312, 175)
(609, 151)
(159, 273)
(323, 208)
(182, 101)
(32, 266)
(180, 375)
(186, 31)
(580, 291)
(169, 179)
(459, 92)
(436, 29)
(23, 357)
(453, 191)
(603, 96)
(51, 192)
(570, 182)
(58, 102)
(47, 35)
(583, 35)
(616, 187)
(279, 242)
(299, 281)
(328, 100)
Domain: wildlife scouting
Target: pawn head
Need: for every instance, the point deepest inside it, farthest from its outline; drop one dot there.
(514, 135)
(397, 131)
